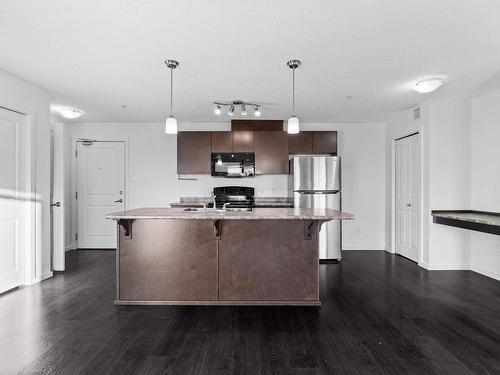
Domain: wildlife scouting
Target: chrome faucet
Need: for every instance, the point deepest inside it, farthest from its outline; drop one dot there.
(225, 206)
(203, 206)
(213, 201)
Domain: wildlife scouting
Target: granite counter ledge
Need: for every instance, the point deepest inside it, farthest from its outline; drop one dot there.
(325, 214)
(480, 221)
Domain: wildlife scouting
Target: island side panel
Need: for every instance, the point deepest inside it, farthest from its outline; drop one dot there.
(268, 260)
(168, 260)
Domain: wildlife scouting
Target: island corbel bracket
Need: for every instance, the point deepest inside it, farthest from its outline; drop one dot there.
(309, 229)
(217, 229)
(126, 224)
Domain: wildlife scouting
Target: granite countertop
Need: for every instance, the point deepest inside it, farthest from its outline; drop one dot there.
(259, 202)
(479, 217)
(256, 214)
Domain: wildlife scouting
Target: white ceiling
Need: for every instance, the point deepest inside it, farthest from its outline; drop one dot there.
(100, 55)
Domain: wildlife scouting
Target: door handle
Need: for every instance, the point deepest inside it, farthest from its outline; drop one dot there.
(57, 204)
(119, 201)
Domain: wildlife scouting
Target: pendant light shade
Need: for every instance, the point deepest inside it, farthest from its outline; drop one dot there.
(293, 122)
(171, 125)
(293, 125)
(171, 122)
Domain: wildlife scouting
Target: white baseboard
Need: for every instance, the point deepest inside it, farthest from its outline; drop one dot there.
(482, 271)
(70, 247)
(348, 248)
(444, 267)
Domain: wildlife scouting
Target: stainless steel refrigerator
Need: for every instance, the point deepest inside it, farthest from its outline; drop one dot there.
(314, 182)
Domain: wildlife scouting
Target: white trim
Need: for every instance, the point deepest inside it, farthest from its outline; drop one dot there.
(355, 248)
(69, 247)
(444, 267)
(482, 271)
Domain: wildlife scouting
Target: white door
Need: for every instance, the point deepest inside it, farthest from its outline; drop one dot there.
(57, 197)
(100, 191)
(14, 186)
(408, 197)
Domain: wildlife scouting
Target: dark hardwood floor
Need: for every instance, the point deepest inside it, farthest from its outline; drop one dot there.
(381, 314)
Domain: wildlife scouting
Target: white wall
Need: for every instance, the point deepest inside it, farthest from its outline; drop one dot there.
(19, 95)
(449, 177)
(152, 177)
(485, 179)
(444, 131)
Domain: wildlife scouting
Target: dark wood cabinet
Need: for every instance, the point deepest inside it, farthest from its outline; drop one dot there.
(194, 152)
(324, 142)
(271, 152)
(243, 141)
(257, 125)
(301, 143)
(222, 142)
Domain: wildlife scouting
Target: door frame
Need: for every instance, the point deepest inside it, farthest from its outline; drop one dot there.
(420, 133)
(74, 174)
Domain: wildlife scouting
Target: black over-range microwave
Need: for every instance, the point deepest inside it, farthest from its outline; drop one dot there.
(233, 164)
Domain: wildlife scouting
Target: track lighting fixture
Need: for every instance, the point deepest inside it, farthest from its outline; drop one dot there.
(235, 103)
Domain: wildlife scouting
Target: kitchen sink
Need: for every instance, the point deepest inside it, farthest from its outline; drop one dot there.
(218, 210)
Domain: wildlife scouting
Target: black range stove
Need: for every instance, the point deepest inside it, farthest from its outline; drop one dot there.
(238, 197)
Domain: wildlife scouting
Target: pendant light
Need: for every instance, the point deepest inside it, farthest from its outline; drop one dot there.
(293, 122)
(171, 123)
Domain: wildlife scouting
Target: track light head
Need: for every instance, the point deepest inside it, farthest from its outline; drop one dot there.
(257, 111)
(243, 110)
(231, 111)
(217, 110)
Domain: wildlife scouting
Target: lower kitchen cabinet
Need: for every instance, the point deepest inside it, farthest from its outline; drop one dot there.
(168, 260)
(194, 152)
(267, 260)
(271, 152)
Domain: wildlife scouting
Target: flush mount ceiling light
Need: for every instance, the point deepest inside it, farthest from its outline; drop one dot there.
(293, 122)
(428, 85)
(171, 122)
(70, 113)
(237, 103)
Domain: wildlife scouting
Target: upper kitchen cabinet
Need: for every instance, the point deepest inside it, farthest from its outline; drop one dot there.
(324, 142)
(271, 152)
(222, 142)
(243, 141)
(194, 152)
(301, 143)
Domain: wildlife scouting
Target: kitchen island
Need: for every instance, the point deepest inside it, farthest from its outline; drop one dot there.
(178, 256)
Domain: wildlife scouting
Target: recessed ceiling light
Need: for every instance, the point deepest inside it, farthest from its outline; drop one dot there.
(70, 113)
(428, 85)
